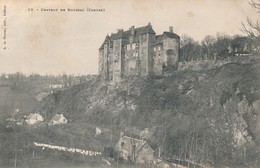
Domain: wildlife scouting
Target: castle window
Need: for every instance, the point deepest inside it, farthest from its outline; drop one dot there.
(110, 45)
(131, 39)
(159, 48)
(154, 49)
(135, 54)
(128, 47)
(133, 46)
(116, 58)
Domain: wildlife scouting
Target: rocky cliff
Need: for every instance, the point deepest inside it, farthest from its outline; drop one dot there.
(207, 116)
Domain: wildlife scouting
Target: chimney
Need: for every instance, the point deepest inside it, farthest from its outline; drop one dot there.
(171, 29)
(132, 30)
(149, 25)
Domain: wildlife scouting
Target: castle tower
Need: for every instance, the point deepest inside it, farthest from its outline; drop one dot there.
(146, 42)
(118, 64)
(171, 47)
(166, 51)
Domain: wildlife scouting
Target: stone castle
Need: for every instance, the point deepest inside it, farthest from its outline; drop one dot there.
(138, 51)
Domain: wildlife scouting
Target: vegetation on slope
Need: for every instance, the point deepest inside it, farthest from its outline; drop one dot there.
(209, 116)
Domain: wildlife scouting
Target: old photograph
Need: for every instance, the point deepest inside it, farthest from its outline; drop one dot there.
(130, 84)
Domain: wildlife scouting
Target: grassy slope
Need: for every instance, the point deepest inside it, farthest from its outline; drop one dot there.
(21, 97)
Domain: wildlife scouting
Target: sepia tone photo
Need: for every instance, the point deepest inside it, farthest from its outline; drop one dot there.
(130, 84)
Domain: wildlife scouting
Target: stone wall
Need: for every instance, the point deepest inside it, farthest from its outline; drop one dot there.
(150, 53)
(118, 65)
(131, 59)
(158, 59)
(110, 63)
(125, 54)
(101, 64)
(105, 61)
(171, 52)
(143, 52)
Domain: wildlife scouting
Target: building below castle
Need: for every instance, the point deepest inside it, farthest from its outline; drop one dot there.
(138, 51)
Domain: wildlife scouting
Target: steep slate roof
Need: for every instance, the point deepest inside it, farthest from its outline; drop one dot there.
(140, 143)
(105, 42)
(126, 34)
(138, 31)
(33, 116)
(171, 35)
(57, 117)
(158, 39)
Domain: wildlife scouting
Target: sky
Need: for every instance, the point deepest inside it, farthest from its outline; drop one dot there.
(51, 42)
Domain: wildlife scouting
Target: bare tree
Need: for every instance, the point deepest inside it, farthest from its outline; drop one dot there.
(250, 27)
(207, 43)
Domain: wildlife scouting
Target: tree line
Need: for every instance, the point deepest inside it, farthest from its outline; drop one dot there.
(14, 79)
(220, 46)
(223, 46)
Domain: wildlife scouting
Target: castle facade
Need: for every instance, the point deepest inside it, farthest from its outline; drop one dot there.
(138, 51)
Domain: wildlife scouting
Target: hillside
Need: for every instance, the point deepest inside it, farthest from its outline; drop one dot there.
(207, 116)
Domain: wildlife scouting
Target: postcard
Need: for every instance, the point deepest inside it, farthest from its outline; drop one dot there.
(148, 83)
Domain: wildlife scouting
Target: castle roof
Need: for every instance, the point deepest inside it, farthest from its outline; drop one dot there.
(57, 117)
(158, 39)
(138, 142)
(171, 35)
(121, 34)
(105, 42)
(135, 32)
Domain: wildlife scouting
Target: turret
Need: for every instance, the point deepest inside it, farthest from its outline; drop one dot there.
(171, 29)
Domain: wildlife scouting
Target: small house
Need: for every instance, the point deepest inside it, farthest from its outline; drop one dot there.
(34, 118)
(136, 150)
(58, 119)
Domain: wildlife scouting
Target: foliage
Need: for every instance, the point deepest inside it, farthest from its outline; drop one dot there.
(188, 118)
(212, 48)
(252, 28)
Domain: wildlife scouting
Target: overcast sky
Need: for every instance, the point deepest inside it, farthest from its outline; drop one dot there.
(58, 42)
